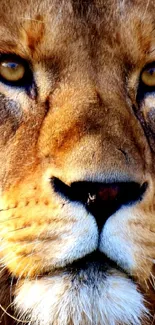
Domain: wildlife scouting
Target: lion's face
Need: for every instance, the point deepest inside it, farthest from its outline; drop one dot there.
(77, 203)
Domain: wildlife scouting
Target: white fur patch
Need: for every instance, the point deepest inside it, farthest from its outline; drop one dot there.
(116, 240)
(87, 298)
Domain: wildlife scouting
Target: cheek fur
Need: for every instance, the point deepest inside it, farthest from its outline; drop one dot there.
(128, 239)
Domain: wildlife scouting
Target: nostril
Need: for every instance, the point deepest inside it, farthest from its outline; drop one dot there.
(101, 199)
(110, 197)
(120, 192)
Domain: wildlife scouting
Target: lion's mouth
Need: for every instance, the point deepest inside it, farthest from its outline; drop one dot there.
(96, 263)
(95, 260)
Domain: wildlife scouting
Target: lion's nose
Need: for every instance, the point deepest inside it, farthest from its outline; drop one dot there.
(101, 199)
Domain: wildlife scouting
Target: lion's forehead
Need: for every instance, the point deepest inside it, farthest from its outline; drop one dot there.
(94, 27)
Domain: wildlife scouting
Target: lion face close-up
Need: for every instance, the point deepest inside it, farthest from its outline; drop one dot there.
(77, 162)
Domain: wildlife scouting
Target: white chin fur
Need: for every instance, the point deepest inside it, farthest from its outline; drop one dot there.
(64, 299)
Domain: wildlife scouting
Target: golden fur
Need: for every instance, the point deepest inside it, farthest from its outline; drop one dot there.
(80, 122)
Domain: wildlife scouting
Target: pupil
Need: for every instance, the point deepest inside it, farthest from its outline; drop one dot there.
(10, 65)
(151, 71)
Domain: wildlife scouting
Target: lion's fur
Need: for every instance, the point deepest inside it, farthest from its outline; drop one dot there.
(80, 122)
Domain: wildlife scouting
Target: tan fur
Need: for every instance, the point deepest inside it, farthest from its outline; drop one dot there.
(83, 125)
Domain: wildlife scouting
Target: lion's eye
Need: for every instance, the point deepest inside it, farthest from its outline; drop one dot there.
(148, 76)
(15, 71)
(12, 70)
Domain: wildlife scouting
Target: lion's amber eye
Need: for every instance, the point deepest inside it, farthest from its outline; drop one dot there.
(148, 76)
(11, 70)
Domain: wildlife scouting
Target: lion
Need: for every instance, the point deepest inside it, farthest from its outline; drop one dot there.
(77, 157)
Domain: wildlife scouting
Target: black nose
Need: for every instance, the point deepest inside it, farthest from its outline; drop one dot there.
(101, 199)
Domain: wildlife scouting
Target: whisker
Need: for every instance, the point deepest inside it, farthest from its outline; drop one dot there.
(8, 219)
(21, 275)
(11, 288)
(10, 261)
(11, 304)
(17, 229)
(11, 316)
(1, 210)
(4, 258)
(11, 284)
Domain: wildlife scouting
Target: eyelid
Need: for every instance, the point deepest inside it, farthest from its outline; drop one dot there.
(13, 56)
(148, 66)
